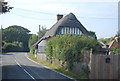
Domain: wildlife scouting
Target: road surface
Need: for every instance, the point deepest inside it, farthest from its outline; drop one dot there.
(16, 66)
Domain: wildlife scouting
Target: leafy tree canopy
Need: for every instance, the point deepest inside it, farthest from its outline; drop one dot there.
(18, 34)
(42, 31)
(15, 33)
(92, 34)
(4, 7)
(106, 40)
(33, 39)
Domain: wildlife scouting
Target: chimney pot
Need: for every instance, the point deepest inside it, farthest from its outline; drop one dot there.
(59, 16)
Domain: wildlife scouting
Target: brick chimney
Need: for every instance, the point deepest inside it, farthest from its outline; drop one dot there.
(59, 16)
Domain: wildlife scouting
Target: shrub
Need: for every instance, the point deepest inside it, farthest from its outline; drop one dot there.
(13, 47)
(116, 50)
(68, 48)
(31, 42)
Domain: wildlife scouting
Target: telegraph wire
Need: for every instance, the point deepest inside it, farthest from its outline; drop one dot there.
(55, 14)
(96, 17)
(30, 17)
(40, 12)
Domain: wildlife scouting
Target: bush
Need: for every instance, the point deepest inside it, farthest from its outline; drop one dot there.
(13, 47)
(68, 48)
(116, 50)
(32, 41)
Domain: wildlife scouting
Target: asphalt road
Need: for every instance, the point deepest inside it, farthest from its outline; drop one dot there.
(16, 66)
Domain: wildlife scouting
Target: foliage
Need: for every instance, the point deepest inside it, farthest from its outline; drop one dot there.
(16, 33)
(13, 47)
(92, 34)
(42, 31)
(106, 40)
(116, 50)
(68, 48)
(66, 72)
(32, 40)
(5, 7)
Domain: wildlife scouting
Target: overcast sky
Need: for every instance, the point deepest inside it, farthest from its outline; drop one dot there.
(100, 16)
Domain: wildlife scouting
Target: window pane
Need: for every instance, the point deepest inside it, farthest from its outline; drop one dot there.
(74, 30)
(77, 31)
(67, 29)
(70, 30)
(64, 30)
(61, 30)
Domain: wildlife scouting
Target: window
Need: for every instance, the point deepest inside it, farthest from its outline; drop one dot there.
(74, 30)
(62, 31)
(67, 29)
(78, 31)
(59, 31)
(70, 30)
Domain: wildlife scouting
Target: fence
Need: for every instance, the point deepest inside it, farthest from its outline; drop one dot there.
(104, 66)
(101, 66)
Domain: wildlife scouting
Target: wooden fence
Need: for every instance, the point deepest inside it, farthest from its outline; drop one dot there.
(104, 66)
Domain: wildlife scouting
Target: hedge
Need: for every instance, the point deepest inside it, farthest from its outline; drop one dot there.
(69, 48)
(13, 47)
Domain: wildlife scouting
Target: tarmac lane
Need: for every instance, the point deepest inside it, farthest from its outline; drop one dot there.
(17, 67)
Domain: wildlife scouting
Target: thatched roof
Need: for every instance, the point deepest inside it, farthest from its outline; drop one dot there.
(68, 21)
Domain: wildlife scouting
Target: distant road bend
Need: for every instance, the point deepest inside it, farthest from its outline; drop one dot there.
(18, 66)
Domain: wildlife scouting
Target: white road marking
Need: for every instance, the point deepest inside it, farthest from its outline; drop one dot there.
(50, 68)
(24, 70)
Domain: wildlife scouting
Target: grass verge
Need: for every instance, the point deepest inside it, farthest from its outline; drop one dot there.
(66, 72)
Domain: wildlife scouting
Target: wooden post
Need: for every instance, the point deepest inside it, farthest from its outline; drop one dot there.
(90, 63)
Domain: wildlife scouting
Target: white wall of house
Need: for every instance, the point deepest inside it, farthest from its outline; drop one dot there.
(42, 46)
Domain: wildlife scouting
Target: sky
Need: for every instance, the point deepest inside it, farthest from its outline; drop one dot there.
(100, 16)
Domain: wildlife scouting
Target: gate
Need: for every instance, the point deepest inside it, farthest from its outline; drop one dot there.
(104, 66)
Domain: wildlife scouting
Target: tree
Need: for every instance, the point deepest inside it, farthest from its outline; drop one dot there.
(92, 34)
(4, 7)
(32, 40)
(42, 31)
(106, 40)
(16, 33)
(13, 47)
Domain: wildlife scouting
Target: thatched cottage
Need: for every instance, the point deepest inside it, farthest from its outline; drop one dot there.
(68, 24)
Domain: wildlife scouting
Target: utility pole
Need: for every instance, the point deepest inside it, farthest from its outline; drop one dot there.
(1, 39)
(118, 18)
(39, 28)
(1, 53)
(39, 31)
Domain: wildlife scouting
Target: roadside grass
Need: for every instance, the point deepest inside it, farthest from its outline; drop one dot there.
(66, 72)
